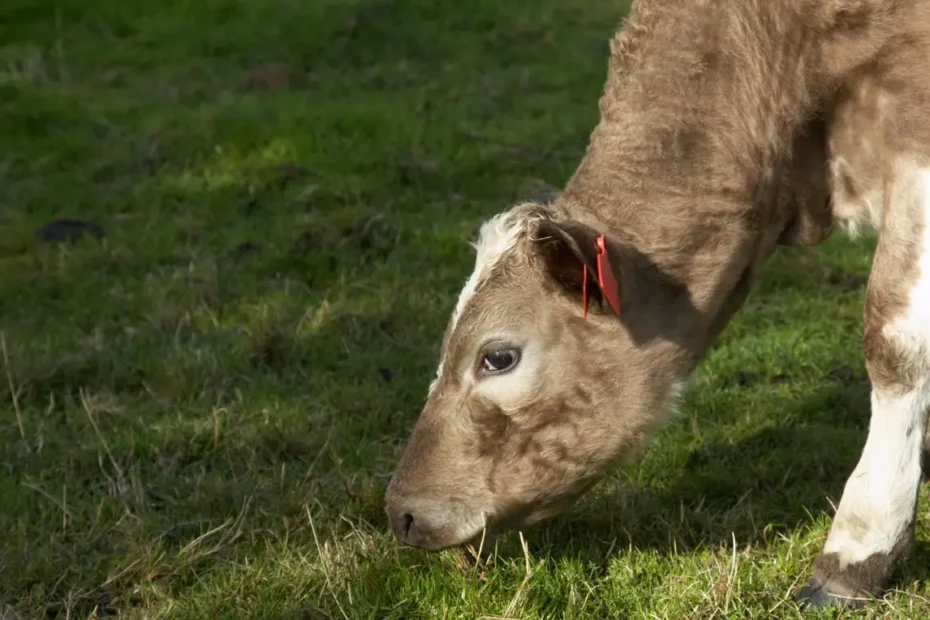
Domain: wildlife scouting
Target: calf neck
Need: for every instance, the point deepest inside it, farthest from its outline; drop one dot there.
(727, 127)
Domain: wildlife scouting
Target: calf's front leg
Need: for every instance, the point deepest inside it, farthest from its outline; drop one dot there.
(873, 530)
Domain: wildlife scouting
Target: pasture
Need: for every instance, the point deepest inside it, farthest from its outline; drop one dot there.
(204, 395)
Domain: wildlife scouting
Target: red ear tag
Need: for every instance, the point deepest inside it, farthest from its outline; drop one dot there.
(605, 276)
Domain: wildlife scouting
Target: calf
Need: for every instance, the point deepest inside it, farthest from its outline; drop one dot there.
(727, 127)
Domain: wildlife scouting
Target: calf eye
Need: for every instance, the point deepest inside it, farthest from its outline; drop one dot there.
(499, 361)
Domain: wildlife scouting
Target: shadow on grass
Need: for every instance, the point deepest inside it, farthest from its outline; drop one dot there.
(321, 414)
(266, 343)
(772, 482)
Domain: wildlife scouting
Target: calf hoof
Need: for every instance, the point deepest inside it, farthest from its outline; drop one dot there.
(820, 596)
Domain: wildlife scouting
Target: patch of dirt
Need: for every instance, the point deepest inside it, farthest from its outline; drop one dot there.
(69, 230)
(271, 77)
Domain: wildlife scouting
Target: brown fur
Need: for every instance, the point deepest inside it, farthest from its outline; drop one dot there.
(727, 127)
(855, 583)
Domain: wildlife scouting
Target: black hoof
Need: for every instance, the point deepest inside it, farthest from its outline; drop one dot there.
(818, 596)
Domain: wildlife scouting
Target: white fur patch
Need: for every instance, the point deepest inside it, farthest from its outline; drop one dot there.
(496, 237)
(878, 501)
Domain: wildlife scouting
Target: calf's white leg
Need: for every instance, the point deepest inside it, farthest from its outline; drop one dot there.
(873, 530)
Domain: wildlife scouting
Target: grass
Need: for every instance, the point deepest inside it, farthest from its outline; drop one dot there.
(205, 404)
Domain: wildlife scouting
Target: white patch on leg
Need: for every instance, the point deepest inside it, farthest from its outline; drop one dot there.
(878, 502)
(879, 499)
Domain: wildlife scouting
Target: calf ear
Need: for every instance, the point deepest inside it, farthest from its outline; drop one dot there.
(572, 252)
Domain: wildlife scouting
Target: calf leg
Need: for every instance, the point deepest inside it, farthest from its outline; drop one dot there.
(873, 529)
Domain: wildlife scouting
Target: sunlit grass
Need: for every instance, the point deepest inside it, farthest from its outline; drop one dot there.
(200, 412)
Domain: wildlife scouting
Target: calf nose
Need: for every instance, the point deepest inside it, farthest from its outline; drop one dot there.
(403, 524)
(411, 528)
(417, 521)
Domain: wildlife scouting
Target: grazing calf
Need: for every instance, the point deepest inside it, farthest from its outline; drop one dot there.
(727, 127)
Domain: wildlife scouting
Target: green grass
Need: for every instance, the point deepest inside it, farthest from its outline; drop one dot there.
(198, 422)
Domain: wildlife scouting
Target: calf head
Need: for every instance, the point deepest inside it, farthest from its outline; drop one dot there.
(542, 385)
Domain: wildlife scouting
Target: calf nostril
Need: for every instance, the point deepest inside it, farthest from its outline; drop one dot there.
(408, 523)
